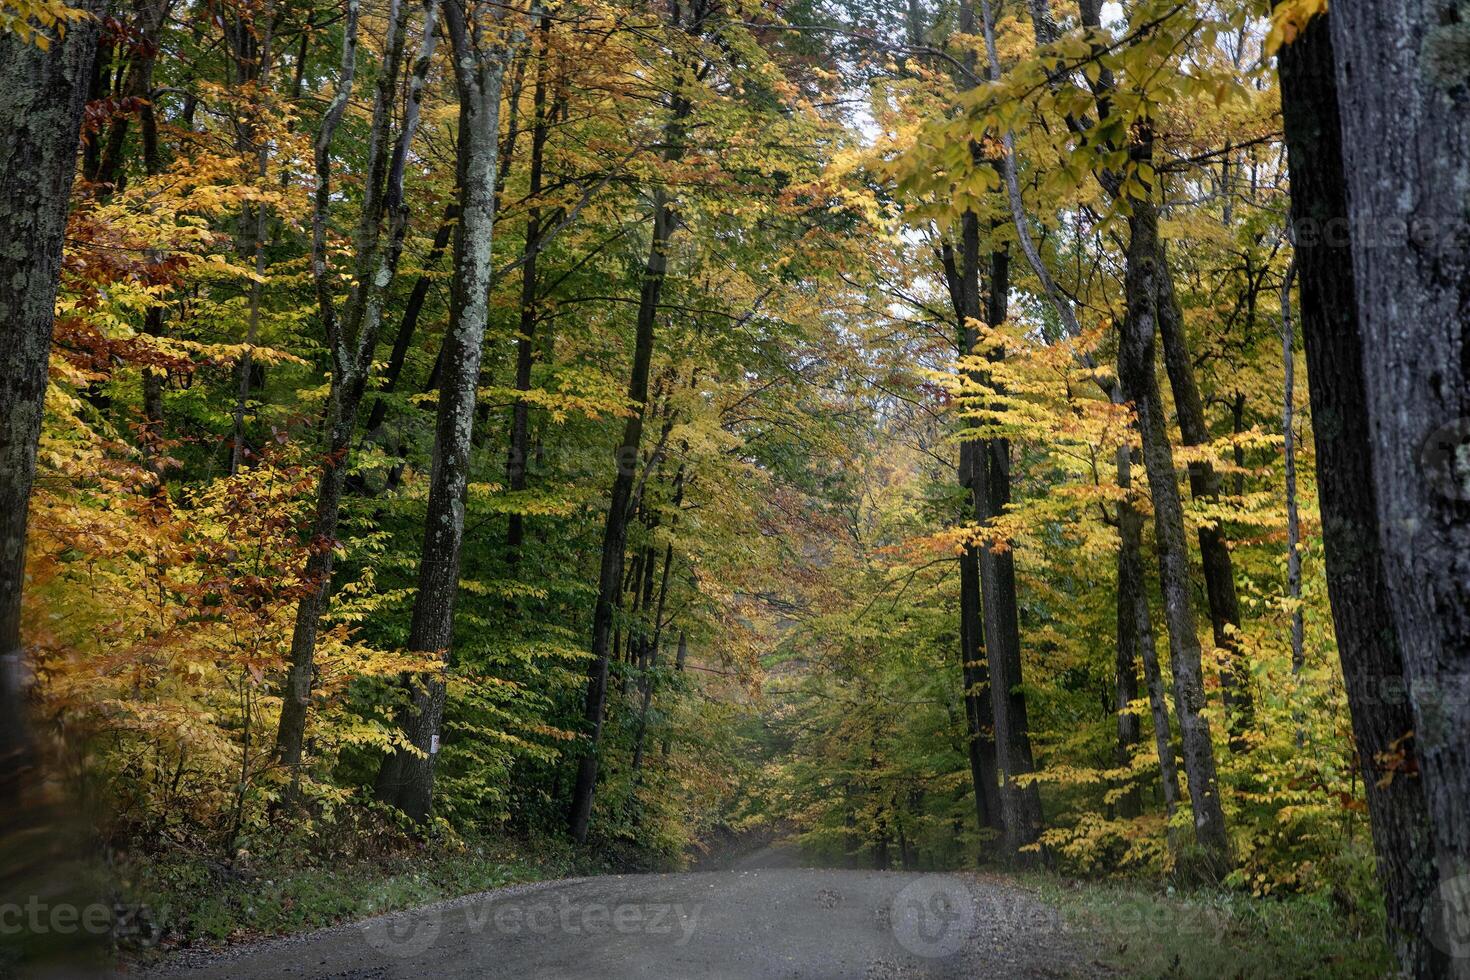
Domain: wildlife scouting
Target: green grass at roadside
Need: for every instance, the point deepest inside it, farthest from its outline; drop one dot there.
(178, 901)
(1157, 932)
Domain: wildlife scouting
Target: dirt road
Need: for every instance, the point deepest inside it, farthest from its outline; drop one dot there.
(733, 925)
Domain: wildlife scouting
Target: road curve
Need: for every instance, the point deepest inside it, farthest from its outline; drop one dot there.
(731, 925)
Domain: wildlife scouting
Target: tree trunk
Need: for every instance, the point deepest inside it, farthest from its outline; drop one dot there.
(647, 663)
(975, 677)
(1293, 516)
(137, 86)
(1136, 637)
(1136, 365)
(251, 53)
(1020, 804)
(1224, 604)
(1357, 527)
(962, 276)
(1204, 485)
(151, 16)
(478, 76)
(963, 279)
(352, 338)
(615, 531)
(680, 657)
(41, 99)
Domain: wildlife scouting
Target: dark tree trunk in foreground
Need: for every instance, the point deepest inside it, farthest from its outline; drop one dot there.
(41, 99)
(962, 276)
(1383, 320)
(1136, 360)
(1020, 804)
(408, 780)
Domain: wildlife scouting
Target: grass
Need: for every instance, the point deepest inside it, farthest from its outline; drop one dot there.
(192, 902)
(1158, 931)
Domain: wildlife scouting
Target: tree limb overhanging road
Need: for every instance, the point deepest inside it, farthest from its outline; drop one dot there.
(770, 923)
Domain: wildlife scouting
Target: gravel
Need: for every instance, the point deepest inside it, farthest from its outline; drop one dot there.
(782, 922)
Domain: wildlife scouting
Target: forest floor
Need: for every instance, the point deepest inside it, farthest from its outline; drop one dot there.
(762, 923)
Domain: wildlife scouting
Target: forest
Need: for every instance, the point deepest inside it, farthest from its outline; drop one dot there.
(517, 438)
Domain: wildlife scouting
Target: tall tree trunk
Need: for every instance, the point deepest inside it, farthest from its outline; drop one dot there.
(99, 84)
(1204, 485)
(615, 530)
(252, 55)
(647, 663)
(1136, 636)
(151, 15)
(42, 94)
(1372, 130)
(975, 678)
(964, 290)
(1224, 604)
(986, 761)
(1136, 365)
(962, 277)
(1136, 380)
(1129, 729)
(352, 337)
(137, 87)
(1020, 804)
(479, 74)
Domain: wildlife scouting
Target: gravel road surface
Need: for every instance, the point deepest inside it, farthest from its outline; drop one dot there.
(767, 923)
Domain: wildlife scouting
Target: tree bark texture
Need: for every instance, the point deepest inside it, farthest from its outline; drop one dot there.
(1346, 355)
(1020, 803)
(479, 74)
(1136, 374)
(352, 337)
(42, 94)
